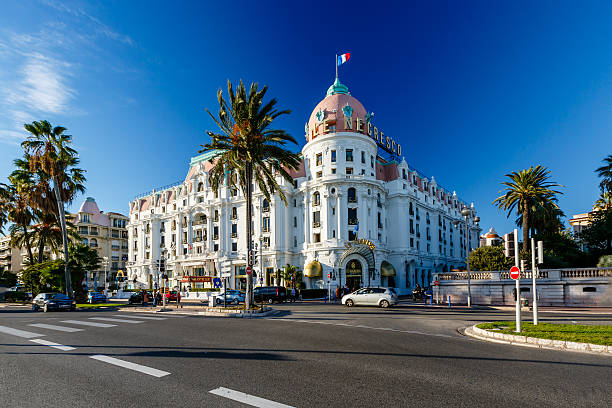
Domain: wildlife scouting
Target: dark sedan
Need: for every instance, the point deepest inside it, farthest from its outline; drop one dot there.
(52, 301)
(136, 297)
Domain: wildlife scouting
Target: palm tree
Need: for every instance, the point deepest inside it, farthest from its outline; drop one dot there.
(46, 231)
(545, 219)
(605, 172)
(526, 191)
(48, 152)
(604, 201)
(246, 149)
(18, 211)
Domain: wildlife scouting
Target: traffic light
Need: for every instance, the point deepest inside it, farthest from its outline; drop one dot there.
(509, 245)
(162, 265)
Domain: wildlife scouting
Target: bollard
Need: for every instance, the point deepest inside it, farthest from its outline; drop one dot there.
(449, 301)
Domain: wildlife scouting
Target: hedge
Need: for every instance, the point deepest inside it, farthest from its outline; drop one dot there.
(311, 293)
(15, 296)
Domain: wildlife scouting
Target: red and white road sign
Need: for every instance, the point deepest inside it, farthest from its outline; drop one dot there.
(515, 272)
(436, 283)
(249, 270)
(329, 276)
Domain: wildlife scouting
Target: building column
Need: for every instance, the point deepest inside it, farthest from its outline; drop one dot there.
(307, 226)
(341, 223)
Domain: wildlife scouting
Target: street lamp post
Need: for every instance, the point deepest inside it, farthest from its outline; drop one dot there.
(467, 212)
(261, 266)
(105, 258)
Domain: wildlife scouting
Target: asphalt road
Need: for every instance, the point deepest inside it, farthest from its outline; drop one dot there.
(311, 355)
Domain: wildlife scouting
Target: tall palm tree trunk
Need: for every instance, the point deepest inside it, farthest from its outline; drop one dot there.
(60, 205)
(26, 238)
(248, 176)
(41, 248)
(525, 228)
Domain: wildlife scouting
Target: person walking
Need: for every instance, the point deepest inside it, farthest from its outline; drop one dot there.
(293, 295)
(145, 298)
(154, 298)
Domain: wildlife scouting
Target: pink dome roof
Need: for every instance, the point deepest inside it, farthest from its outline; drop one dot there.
(331, 108)
(89, 206)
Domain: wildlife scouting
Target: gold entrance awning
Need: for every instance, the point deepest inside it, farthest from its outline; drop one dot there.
(313, 270)
(386, 269)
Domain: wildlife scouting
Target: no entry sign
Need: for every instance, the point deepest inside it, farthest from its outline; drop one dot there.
(249, 270)
(515, 272)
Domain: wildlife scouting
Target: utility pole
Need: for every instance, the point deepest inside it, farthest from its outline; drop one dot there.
(518, 284)
(535, 272)
(105, 269)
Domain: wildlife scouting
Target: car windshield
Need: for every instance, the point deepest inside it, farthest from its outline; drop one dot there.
(60, 296)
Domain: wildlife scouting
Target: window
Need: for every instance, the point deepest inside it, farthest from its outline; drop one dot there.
(216, 247)
(333, 170)
(216, 233)
(266, 224)
(349, 155)
(380, 224)
(216, 217)
(372, 161)
(352, 195)
(266, 242)
(316, 219)
(294, 242)
(294, 202)
(265, 206)
(234, 192)
(84, 217)
(294, 222)
(404, 175)
(316, 198)
(319, 174)
(349, 170)
(234, 213)
(234, 230)
(200, 187)
(333, 156)
(411, 242)
(234, 246)
(319, 160)
(352, 216)
(316, 238)
(363, 159)
(412, 226)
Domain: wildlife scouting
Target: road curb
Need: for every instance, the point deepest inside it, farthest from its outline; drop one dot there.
(535, 342)
(233, 314)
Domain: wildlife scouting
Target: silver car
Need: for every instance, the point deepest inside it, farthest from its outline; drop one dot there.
(381, 297)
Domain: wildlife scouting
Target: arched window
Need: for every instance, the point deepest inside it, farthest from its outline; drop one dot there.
(316, 198)
(200, 186)
(85, 241)
(93, 243)
(352, 195)
(265, 206)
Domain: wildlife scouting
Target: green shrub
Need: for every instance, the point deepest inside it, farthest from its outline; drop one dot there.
(15, 296)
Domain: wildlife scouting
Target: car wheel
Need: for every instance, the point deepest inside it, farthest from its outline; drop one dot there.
(45, 308)
(270, 301)
(349, 303)
(219, 301)
(235, 301)
(384, 303)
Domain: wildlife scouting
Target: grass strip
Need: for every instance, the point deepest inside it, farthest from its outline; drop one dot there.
(578, 333)
(96, 305)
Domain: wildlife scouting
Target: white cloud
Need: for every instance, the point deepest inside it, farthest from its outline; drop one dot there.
(11, 137)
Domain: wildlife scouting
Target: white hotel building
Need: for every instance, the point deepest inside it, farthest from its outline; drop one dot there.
(350, 174)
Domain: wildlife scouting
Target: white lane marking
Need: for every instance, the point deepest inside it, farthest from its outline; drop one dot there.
(52, 344)
(19, 333)
(93, 324)
(131, 366)
(108, 319)
(360, 326)
(247, 399)
(142, 317)
(54, 327)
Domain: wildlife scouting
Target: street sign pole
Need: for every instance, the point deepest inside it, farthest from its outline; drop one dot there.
(534, 273)
(518, 283)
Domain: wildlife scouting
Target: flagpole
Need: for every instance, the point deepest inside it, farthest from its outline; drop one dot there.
(336, 66)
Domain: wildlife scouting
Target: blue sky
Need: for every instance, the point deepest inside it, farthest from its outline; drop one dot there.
(471, 89)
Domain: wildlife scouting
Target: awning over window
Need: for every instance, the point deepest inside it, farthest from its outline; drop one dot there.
(386, 269)
(313, 270)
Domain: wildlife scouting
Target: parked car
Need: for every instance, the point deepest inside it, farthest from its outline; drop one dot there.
(173, 296)
(52, 301)
(231, 296)
(95, 297)
(382, 297)
(136, 297)
(270, 294)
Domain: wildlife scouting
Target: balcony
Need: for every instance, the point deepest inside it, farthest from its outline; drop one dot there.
(352, 199)
(114, 246)
(234, 235)
(216, 237)
(114, 234)
(234, 216)
(352, 222)
(197, 239)
(83, 232)
(316, 224)
(380, 226)
(216, 219)
(199, 222)
(265, 209)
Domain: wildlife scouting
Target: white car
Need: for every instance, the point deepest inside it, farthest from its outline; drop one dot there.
(382, 297)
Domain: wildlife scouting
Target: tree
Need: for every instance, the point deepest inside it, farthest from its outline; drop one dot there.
(18, 212)
(604, 202)
(605, 172)
(545, 219)
(490, 258)
(598, 236)
(7, 278)
(289, 273)
(526, 191)
(247, 150)
(49, 153)
(83, 259)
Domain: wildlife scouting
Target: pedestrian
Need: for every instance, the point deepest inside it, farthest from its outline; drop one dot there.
(293, 297)
(154, 298)
(145, 298)
(158, 298)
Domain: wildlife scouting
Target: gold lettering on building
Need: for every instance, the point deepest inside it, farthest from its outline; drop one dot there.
(359, 124)
(325, 126)
(399, 149)
(388, 140)
(375, 133)
(348, 123)
(369, 129)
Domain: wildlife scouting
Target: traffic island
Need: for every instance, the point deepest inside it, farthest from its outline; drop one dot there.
(568, 337)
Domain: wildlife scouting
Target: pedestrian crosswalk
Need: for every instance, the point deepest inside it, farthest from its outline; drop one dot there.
(68, 326)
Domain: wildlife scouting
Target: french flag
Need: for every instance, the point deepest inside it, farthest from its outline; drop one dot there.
(343, 58)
